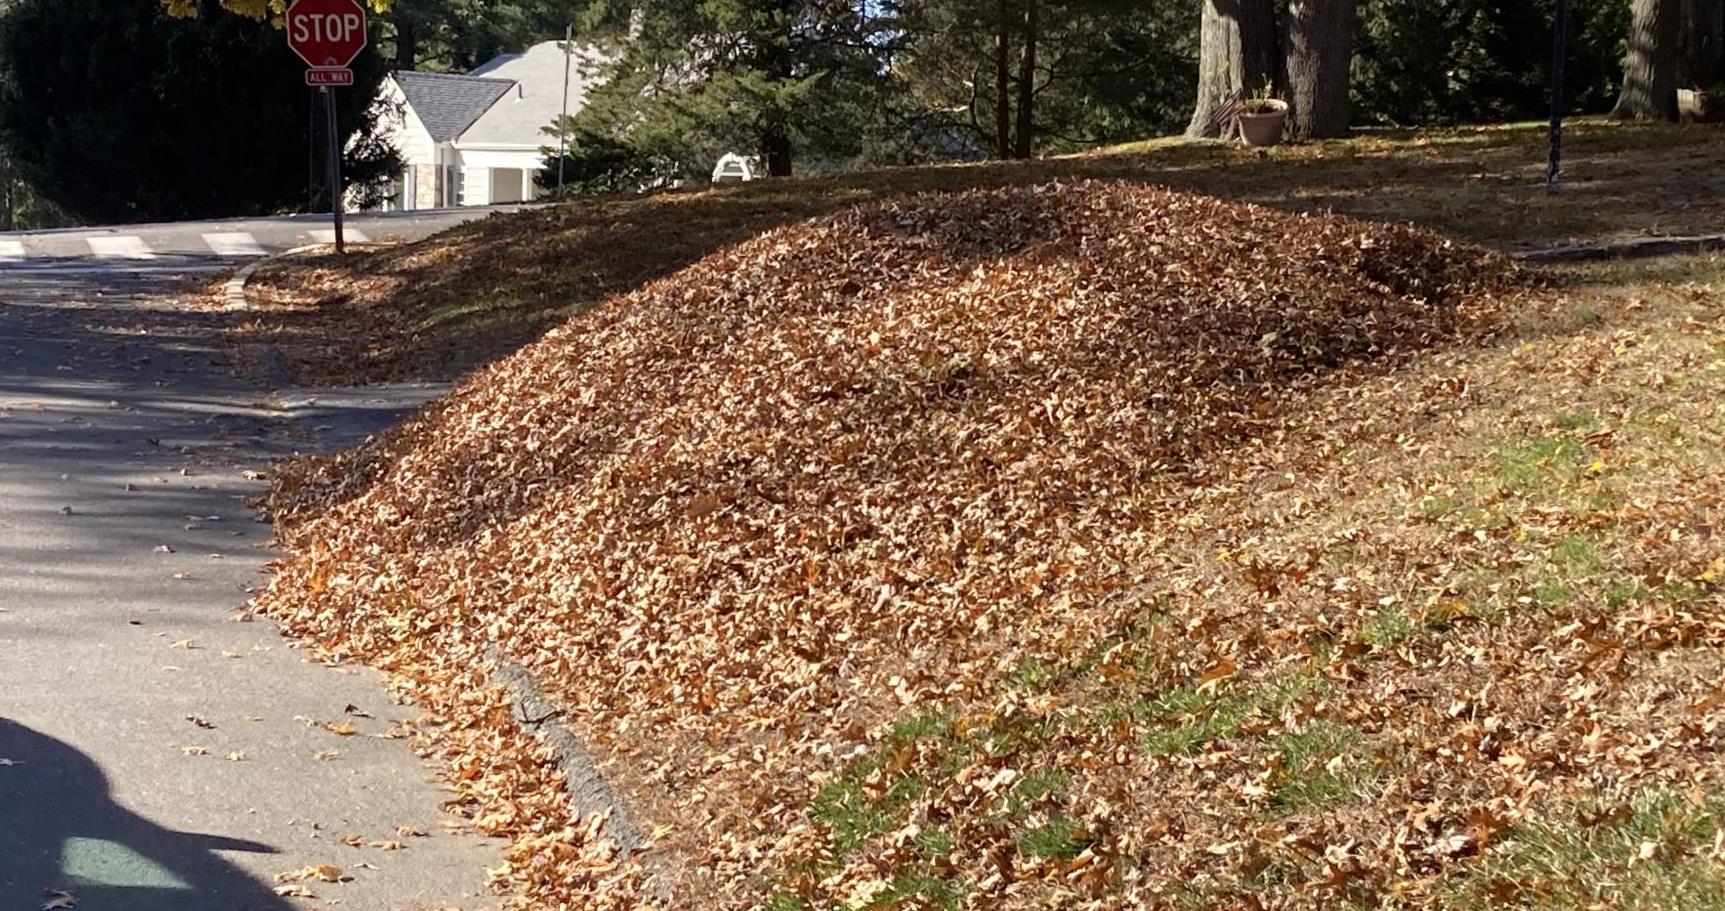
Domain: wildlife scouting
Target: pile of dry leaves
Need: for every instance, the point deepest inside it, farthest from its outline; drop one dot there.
(746, 519)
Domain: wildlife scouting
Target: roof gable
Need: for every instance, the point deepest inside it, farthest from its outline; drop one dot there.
(520, 121)
(448, 104)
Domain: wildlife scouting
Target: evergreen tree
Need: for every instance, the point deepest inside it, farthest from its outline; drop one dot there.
(458, 35)
(692, 79)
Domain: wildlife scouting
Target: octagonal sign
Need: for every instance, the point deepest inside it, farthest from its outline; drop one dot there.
(326, 33)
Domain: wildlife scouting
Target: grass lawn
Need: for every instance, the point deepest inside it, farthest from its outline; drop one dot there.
(435, 309)
(1443, 633)
(1488, 647)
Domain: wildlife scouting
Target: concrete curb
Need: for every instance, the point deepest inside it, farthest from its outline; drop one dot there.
(1626, 249)
(589, 793)
(234, 292)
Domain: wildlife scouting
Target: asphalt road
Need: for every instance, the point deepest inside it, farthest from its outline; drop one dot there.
(169, 248)
(159, 748)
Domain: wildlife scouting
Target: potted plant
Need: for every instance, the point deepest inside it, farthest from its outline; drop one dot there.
(1262, 118)
(1702, 105)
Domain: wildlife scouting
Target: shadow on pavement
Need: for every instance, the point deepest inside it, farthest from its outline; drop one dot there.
(60, 832)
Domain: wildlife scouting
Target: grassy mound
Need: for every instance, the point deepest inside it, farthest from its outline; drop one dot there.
(895, 463)
(435, 309)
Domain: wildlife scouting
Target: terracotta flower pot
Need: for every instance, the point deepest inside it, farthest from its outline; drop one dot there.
(1263, 127)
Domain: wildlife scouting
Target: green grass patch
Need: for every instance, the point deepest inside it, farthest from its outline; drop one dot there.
(850, 814)
(1653, 852)
(1184, 720)
(1059, 838)
(1527, 467)
(1323, 765)
(1389, 627)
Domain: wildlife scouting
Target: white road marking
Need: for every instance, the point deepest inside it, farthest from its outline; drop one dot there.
(236, 243)
(11, 251)
(124, 246)
(327, 235)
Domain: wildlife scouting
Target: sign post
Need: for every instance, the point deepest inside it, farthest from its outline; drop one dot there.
(1554, 161)
(327, 35)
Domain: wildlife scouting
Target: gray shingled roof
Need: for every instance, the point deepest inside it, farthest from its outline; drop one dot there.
(448, 104)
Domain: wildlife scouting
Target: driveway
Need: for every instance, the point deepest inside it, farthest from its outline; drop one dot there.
(160, 748)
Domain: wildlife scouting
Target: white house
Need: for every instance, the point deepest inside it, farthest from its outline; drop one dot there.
(477, 139)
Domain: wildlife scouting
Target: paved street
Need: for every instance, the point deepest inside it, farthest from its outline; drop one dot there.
(159, 749)
(146, 249)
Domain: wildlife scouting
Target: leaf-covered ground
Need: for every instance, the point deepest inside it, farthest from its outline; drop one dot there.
(437, 309)
(1080, 545)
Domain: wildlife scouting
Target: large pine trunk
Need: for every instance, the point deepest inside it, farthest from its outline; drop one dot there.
(1701, 47)
(1025, 144)
(1650, 63)
(1320, 52)
(1237, 51)
(776, 150)
(406, 40)
(1002, 84)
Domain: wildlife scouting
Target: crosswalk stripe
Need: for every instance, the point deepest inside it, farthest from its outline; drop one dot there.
(234, 243)
(11, 251)
(123, 246)
(327, 235)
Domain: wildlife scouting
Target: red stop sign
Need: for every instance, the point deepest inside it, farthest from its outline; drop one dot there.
(326, 33)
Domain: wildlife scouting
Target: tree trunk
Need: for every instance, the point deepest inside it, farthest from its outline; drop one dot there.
(1650, 63)
(1320, 53)
(1002, 87)
(1027, 84)
(1701, 48)
(1238, 51)
(776, 151)
(406, 40)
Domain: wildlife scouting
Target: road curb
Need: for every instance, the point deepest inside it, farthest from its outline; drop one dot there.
(1639, 248)
(234, 292)
(590, 793)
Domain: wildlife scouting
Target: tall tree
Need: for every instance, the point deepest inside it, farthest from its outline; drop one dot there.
(1701, 47)
(114, 111)
(458, 35)
(1025, 142)
(1002, 83)
(1238, 50)
(1320, 55)
(1650, 62)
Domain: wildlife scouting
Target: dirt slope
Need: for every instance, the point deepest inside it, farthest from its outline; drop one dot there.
(872, 466)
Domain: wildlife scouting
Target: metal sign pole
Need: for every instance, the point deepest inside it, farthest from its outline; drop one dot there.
(335, 194)
(311, 151)
(1557, 54)
(563, 121)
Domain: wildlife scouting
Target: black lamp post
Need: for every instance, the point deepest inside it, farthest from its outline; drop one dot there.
(1557, 55)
